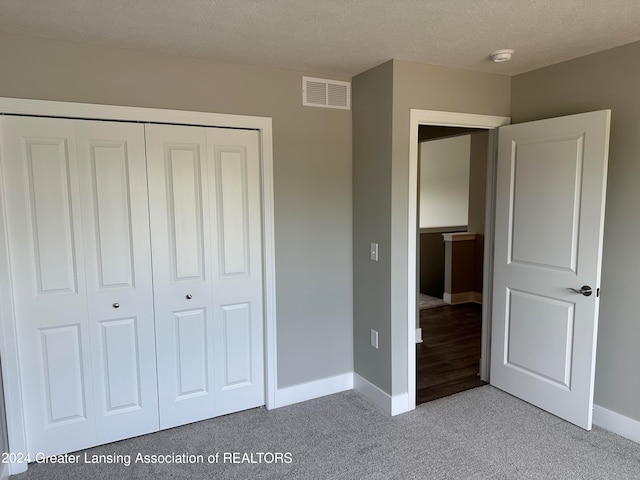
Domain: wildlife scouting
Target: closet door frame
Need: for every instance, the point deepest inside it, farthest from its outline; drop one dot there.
(8, 338)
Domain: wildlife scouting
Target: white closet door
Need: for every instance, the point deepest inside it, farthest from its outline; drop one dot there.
(180, 238)
(84, 285)
(113, 181)
(234, 185)
(40, 174)
(204, 192)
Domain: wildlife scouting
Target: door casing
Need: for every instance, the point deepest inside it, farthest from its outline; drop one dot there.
(448, 119)
(8, 340)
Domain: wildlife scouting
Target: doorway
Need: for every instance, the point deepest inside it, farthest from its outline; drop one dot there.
(460, 120)
(451, 224)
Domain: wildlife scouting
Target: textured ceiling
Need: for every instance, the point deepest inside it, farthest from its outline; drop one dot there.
(338, 36)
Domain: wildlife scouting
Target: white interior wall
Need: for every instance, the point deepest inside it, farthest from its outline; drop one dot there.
(444, 182)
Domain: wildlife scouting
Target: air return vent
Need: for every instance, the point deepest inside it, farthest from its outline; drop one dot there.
(319, 92)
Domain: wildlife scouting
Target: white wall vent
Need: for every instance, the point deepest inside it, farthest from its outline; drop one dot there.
(320, 92)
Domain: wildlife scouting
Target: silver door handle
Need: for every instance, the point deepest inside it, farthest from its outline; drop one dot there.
(116, 305)
(585, 290)
(189, 296)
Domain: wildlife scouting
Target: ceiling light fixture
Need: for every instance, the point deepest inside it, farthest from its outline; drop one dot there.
(503, 55)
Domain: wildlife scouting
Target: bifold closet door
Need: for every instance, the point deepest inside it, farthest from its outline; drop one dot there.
(78, 239)
(44, 222)
(113, 188)
(235, 212)
(204, 194)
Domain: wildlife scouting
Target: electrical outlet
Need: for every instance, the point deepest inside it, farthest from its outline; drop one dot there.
(374, 338)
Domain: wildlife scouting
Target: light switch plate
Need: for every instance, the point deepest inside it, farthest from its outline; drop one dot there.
(374, 338)
(374, 252)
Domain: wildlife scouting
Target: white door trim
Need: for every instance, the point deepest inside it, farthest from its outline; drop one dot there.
(448, 119)
(8, 340)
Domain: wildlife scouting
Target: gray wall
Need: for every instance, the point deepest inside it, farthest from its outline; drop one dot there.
(381, 195)
(312, 170)
(372, 115)
(477, 200)
(478, 181)
(425, 87)
(608, 79)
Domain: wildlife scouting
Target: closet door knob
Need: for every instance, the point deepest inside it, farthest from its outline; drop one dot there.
(189, 296)
(116, 305)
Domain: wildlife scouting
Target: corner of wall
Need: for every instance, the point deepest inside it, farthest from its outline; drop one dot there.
(315, 389)
(372, 130)
(614, 422)
(389, 404)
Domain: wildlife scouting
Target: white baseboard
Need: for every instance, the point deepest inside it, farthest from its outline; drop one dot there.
(464, 297)
(614, 422)
(315, 389)
(418, 335)
(391, 405)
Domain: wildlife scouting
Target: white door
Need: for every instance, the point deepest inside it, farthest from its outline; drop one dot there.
(44, 223)
(78, 238)
(205, 221)
(236, 245)
(113, 187)
(550, 196)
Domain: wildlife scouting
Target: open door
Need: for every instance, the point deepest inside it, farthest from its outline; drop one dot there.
(550, 197)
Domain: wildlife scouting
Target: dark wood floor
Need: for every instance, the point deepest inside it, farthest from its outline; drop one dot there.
(448, 359)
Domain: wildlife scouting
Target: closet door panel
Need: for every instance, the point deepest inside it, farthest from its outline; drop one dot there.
(236, 343)
(120, 367)
(113, 183)
(234, 180)
(180, 233)
(48, 171)
(40, 177)
(185, 212)
(233, 221)
(64, 386)
(191, 353)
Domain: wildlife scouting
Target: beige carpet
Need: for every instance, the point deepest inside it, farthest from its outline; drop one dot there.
(425, 302)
